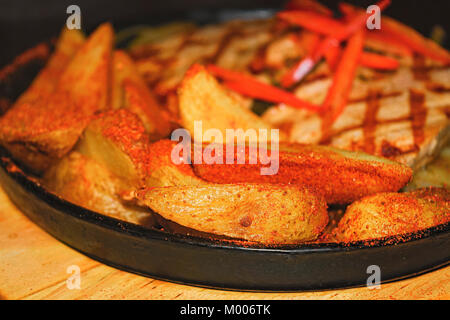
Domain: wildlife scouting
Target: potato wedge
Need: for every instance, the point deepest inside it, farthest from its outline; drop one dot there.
(202, 98)
(390, 214)
(265, 213)
(163, 172)
(46, 81)
(87, 183)
(118, 140)
(39, 132)
(340, 176)
(131, 92)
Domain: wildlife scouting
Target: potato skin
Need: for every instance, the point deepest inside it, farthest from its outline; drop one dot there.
(45, 128)
(201, 97)
(87, 183)
(340, 176)
(390, 214)
(264, 213)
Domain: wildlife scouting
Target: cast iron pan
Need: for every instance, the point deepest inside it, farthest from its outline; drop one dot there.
(213, 263)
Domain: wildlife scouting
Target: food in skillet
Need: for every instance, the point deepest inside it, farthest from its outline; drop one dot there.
(39, 131)
(340, 176)
(390, 214)
(87, 183)
(265, 213)
(375, 114)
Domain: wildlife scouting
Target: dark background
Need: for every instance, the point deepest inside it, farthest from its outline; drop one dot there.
(25, 23)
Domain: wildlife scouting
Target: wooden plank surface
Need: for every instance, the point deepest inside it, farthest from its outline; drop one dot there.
(33, 265)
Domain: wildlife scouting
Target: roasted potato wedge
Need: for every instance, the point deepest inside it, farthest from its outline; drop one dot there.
(41, 131)
(87, 78)
(264, 213)
(340, 176)
(118, 140)
(87, 183)
(46, 81)
(163, 172)
(202, 98)
(131, 92)
(390, 214)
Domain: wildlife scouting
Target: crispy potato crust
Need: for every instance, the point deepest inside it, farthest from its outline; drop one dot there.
(389, 214)
(118, 140)
(163, 172)
(46, 81)
(340, 176)
(87, 183)
(265, 213)
(38, 132)
(130, 91)
(202, 98)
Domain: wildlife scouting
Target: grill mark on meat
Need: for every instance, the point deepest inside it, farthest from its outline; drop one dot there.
(231, 34)
(370, 121)
(437, 87)
(418, 113)
(258, 63)
(379, 95)
(419, 69)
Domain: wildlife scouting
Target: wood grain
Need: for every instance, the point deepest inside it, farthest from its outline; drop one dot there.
(33, 265)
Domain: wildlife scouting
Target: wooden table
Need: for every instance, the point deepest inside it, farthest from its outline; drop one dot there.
(33, 265)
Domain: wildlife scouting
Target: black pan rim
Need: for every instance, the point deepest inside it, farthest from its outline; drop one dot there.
(136, 230)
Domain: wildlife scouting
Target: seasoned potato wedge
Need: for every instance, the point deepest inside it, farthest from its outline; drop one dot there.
(163, 172)
(263, 213)
(340, 176)
(130, 91)
(87, 78)
(39, 132)
(46, 81)
(389, 214)
(87, 183)
(202, 98)
(118, 140)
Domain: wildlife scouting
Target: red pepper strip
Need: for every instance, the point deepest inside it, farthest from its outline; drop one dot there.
(304, 66)
(405, 35)
(332, 56)
(310, 5)
(415, 40)
(251, 87)
(387, 44)
(337, 96)
(377, 61)
(329, 26)
(312, 21)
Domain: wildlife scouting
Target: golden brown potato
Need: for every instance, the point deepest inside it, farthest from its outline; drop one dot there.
(340, 176)
(44, 130)
(202, 98)
(45, 82)
(87, 183)
(118, 140)
(163, 172)
(265, 213)
(389, 214)
(130, 91)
